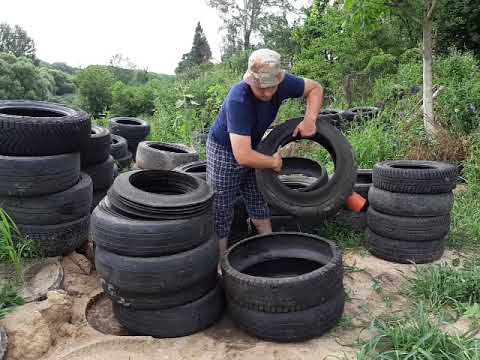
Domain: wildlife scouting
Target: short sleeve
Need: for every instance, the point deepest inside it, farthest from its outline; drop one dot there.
(239, 118)
(291, 87)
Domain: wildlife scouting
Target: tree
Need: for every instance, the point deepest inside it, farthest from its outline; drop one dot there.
(199, 54)
(15, 41)
(95, 88)
(367, 13)
(243, 19)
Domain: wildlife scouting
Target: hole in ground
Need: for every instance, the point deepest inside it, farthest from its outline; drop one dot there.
(282, 267)
(31, 112)
(99, 314)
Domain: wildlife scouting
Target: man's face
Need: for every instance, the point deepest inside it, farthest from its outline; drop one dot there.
(264, 94)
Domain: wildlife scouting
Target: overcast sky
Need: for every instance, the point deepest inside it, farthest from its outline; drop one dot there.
(151, 33)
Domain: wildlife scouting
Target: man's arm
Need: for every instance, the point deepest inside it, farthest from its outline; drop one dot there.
(313, 94)
(246, 156)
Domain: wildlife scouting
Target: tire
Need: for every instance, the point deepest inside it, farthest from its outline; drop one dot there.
(290, 326)
(101, 174)
(404, 252)
(35, 176)
(154, 301)
(154, 155)
(293, 166)
(415, 176)
(98, 148)
(288, 289)
(239, 228)
(125, 161)
(158, 275)
(408, 228)
(356, 221)
(363, 182)
(297, 183)
(365, 112)
(321, 202)
(129, 128)
(174, 322)
(161, 195)
(97, 198)
(413, 205)
(61, 207)
(196, 168)
(118, 147)
(36, 128)
(59, 239)
(3, 343)
(122, 235)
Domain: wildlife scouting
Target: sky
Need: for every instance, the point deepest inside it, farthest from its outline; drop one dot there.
(153, 34)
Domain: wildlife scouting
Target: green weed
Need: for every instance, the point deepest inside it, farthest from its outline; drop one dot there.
(8, 299)
(416, 337)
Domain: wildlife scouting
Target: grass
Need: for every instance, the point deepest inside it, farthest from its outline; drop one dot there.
(445, 285)
(345, 239)
(416, 337)
(8, 299)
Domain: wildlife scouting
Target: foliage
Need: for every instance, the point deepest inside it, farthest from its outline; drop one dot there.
(8, 299)
(95, 85)
(200, 52)
(417, 337)
(15, 41)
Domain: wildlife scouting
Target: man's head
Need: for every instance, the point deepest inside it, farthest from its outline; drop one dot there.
(264, 73)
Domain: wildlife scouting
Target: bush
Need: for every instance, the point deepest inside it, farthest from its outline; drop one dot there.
(95, 86)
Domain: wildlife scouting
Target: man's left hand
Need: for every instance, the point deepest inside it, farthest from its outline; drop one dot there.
(306, 129)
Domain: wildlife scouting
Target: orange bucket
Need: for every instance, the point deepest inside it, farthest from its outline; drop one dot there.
(356, 202)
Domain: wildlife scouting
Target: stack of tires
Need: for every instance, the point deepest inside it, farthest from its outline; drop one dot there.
(97, 162)
(156, 253)
(155, 155)
(134, 130)
(409, 214)
(41, 186)
(120, 153)
(284, 286)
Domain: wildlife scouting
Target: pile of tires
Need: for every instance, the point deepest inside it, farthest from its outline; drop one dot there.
(97, 162)
(41, 186)
(134, 130)
(409, 215)
(322, 200)
(356, 221)
(156, 253)
(120, 153)
(284, 286)
(155, 155)
(344, 119)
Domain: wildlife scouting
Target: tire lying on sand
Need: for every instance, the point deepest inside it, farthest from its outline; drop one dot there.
(36, 128)
(195, 168)
(154, 155)
(98, 148)
(51, 209)
(173, 322)
(118, 147)
(39, 175)
(324, 201)
(269, 279)
(418, 252)
(415, 176)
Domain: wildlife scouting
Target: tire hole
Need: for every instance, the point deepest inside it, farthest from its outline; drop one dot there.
(99, 314)
(30, 112)
(282, 267)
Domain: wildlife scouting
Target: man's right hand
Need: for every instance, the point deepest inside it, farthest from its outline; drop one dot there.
(277, 162)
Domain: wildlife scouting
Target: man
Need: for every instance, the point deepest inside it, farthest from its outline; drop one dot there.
(246, 113)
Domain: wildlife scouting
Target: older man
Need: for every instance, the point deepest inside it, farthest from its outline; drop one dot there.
(246, 113)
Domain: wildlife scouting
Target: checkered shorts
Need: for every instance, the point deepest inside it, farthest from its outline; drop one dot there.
(228, 180)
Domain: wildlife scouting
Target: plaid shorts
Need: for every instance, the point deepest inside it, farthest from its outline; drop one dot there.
(228, 180)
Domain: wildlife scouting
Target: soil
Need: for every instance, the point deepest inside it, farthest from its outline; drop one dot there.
(373, 287)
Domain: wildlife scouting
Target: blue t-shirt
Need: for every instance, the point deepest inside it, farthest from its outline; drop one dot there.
(243, 114)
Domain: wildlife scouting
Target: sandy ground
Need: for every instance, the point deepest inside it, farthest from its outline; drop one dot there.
(373, 287)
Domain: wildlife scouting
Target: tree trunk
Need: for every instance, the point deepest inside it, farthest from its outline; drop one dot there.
(428, 114)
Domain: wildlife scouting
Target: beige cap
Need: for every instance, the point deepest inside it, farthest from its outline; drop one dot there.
(264, 69)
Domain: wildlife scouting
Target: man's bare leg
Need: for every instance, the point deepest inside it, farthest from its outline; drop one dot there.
(263, 226)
